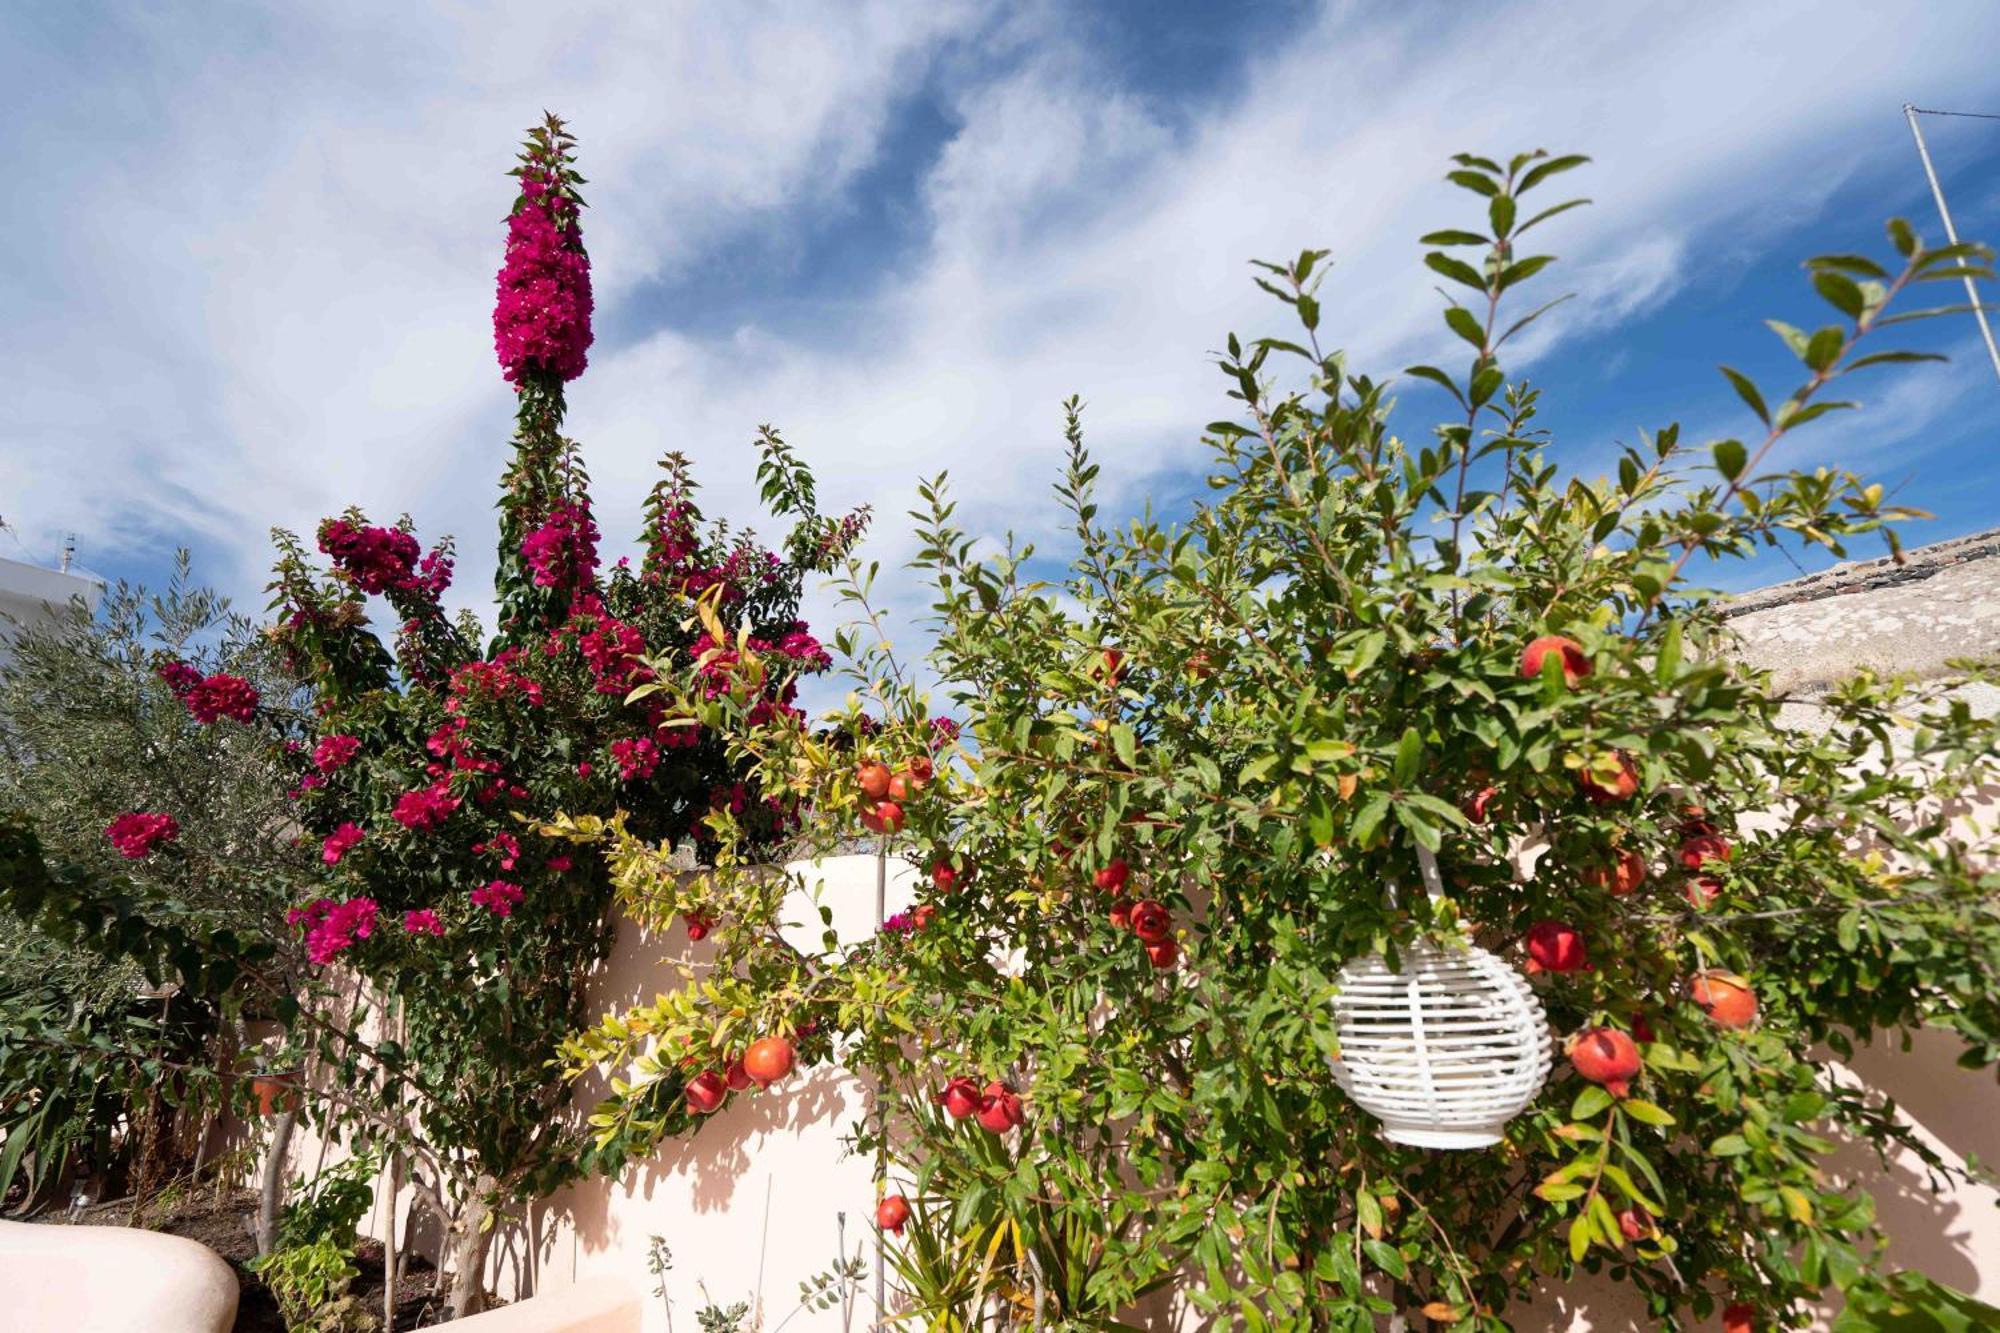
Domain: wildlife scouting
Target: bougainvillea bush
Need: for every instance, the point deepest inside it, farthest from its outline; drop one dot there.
(435, 754)
(1189, 772)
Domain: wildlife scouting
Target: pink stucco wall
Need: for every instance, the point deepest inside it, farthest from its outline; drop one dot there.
(749, 1206)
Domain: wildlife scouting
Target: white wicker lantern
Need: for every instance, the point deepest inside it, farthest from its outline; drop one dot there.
(1445, 1051)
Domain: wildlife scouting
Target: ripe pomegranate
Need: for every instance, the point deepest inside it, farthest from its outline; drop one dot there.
(892, 1213)
(1164, 955)
(922, 915)
(1601, 790)
(960, 1098)
(706, 1092)
(1112, 878)
(1635, 1223)
(1727, 998)
(1114, 667)
(1555, 946)
(1739, 1317)
(873, 779)
(769, 1059)
(698, 927)
(883, 817)
(944, 876)
(1151, 922)
(1702, 848)
(1121, 914)
(1619, 877)
(1606, 1056)
(1703, 890)
(899, 787)
(1476, 805)
(1642, 1028)
(1575, 665)
(999, 1108)
(737, 1077)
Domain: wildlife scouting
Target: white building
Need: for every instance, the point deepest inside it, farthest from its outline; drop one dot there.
(32, 596)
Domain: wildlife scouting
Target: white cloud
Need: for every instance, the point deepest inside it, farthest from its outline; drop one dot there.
(283, 305)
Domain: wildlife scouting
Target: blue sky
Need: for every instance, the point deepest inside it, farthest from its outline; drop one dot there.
(251, 247)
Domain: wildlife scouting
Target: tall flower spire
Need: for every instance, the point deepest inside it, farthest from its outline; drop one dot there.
(541, 312)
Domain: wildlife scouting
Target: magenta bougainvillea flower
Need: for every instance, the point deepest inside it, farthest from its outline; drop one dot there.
(541, 311)
(562, 552)
(375, 559)
(332, 928)
(422, 921)
(426, 808)
(340, 842)
(497, 896)
(638, 758)
(137, 834)
(179, 676)
(215, 697)
(334, 752)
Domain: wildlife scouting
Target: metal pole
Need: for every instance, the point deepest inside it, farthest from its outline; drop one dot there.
(881, 1119)
(1910, 112)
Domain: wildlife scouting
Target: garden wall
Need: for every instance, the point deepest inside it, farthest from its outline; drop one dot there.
(752, 1203)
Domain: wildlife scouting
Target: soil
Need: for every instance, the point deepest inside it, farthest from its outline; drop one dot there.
(225, 1223)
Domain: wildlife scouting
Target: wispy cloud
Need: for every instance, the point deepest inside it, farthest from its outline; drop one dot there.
(261, 291)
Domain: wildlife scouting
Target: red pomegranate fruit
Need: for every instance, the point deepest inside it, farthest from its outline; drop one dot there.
(1635, 1223)
(1121, 914)
(1739, 1317)
(1699, 850)
(873, 779)
(1725, 997)
(698, 927)
(1702, 890)
(1605, 1056)
(1575, 665)
(1556, 946)
(960, 1099)
(769, 1059)
(1165, 955)
(999, 1108)
(737, 1077)
(1151, 922)
(883, 817)
(1619, 877)
(706, 1092)
(1601, 789)
(893, 1213)
(1112, 878)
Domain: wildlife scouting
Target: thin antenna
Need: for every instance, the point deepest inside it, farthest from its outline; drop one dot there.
(68, 551)
(1911, 112)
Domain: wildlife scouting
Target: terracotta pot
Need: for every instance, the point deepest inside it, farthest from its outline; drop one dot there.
(275, 1092)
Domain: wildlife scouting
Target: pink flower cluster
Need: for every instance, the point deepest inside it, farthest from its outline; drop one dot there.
(332, 928)
(136, 834)
(542, 308)
(563, 551)
(219, 696)
(801, 647)
(944, 731)
(334, 752)
(422, 921)
(497, 896)
(637, 758)
(179, 676)
(503, 845)
(426, 808)
(340, 842)
(374, 559)
(496, 681)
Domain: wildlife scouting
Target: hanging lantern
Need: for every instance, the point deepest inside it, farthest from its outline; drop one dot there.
(1445, 1049)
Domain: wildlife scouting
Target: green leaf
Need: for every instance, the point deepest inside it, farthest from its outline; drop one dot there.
(1825, 347)
(1525, 269)
(1547, 169)
(1456, 269)
(1747, 391)
(1474, 181)
(1438, 377)
(1903, 237)
(1730, 456)
(1466, 325)
(1409, 753)
(1454, 238)
(1589, 1102)
(1840, 293)
(1548, 213)
(1386, 1257)
(1579, 1237)
(1646, 1113)
(1794, 338)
